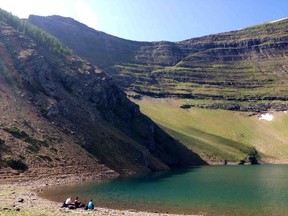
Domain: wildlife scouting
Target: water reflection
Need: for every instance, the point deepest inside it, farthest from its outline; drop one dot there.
(158, 176)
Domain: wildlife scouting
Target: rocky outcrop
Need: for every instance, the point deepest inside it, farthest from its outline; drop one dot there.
(251, 159)
(251, 107)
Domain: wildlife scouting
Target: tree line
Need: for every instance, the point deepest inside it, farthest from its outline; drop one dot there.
(40, 36)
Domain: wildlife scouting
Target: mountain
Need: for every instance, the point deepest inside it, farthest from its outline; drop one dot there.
(194, 89)
(62, 115)
(233, 69)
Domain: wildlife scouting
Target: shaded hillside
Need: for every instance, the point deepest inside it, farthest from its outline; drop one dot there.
(60, 113)
(239, 70)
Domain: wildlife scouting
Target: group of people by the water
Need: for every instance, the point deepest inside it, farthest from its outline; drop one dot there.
(77, 204)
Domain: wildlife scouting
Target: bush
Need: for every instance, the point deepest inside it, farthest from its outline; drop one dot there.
(16, 164)
(14, 131)
(34, 144)
(43, 157)
(33, 148)
(2, 142)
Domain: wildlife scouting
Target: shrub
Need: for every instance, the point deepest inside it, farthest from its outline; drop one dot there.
(44, 157)
(16, 164)
(14, 131)
(54, 150)
(34, 144)
(33, 148)
(2, 142)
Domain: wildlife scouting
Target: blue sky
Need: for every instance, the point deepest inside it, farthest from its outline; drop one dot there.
(155, 20)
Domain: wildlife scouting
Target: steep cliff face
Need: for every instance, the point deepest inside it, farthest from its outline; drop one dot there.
(239, 66)
(59, 110)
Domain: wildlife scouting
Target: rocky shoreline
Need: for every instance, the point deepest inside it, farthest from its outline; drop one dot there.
(20, 198)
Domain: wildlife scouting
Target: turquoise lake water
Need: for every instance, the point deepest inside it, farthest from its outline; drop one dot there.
(208, 190)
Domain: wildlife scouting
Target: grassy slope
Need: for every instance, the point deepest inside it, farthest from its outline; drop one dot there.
(217, 134)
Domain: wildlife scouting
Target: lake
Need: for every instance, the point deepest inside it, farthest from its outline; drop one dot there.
(208, 190)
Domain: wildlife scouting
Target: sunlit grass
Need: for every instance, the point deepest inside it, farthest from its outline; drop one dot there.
(220, 134)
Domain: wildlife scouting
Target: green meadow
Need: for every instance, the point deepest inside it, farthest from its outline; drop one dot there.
(217, 135)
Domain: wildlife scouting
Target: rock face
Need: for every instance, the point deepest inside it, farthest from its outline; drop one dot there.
(251, 159)
(58, 110)
(244, 65)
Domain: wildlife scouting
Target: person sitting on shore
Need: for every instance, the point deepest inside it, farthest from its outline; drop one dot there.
(77, 203)
(91, 205)
(67, 203)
